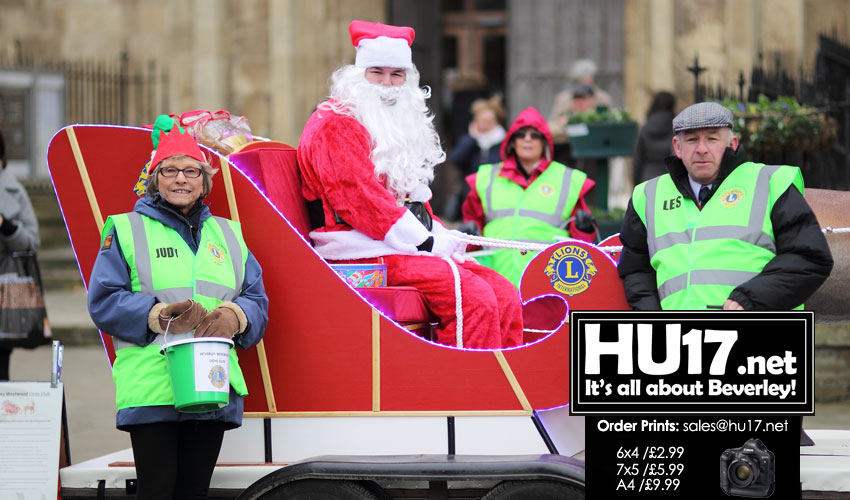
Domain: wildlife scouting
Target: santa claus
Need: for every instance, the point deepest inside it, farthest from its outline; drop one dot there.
(367, 156)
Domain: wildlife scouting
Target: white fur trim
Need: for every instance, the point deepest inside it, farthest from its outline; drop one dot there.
(437, 227)
(153, 317)
(420, 193)
(343, 245)
(383, 52)
(403, 237)
(407, 233)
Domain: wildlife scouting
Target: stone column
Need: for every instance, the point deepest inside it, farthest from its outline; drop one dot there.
(743, 31)
(650, 56)
(282, 70)
(208, 72)
(783, 24)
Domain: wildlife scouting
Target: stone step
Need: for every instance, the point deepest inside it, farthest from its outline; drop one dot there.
(59, 270)
(76, 335)
(69, 319)
(832, 356)
(51, 225)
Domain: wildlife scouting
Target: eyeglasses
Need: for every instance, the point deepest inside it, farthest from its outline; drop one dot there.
(524, 134)
(188, 172)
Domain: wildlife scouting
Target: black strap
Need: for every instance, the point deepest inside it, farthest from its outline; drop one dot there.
(316, 212)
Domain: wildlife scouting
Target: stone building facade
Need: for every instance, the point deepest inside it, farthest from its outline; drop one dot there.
(663, 36)
(270, 59)
(265, 59)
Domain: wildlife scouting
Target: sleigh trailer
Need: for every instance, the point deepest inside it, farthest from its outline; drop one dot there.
(349, 398)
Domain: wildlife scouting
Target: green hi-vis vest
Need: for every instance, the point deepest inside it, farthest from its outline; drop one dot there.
(537, 213)
(162, 265)
(701, 256)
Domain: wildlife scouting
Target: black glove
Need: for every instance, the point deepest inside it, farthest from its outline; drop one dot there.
(584, 221)
(470, 227)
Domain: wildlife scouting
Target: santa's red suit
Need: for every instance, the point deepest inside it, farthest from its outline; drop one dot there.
(363, 222)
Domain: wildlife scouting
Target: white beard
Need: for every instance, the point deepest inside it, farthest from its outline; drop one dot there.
(405, 146)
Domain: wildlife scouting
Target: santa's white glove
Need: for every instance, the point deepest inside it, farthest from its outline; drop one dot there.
(449, 243)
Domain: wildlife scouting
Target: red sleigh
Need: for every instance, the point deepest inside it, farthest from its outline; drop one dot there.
(327, 350)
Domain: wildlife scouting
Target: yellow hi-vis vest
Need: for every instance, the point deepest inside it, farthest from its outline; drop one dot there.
(537, 213)
(162, 265)
(699, 257)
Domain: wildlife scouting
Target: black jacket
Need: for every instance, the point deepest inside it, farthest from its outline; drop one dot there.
(802, 263)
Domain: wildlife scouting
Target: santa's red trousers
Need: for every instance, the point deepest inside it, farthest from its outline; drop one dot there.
(492, 311)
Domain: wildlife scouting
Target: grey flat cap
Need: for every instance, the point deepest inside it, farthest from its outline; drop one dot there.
(702, 115)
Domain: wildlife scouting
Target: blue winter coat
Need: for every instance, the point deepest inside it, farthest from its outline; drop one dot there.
(115, 309)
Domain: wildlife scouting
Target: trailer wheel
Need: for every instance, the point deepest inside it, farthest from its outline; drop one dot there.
(320, 489)
(539, 490)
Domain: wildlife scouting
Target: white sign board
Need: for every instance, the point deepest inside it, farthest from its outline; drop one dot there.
(30, 425)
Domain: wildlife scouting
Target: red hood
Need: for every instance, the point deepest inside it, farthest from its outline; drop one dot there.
(529, 117)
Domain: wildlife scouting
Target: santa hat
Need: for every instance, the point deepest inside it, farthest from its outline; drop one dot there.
(169, 139)
(381, 45)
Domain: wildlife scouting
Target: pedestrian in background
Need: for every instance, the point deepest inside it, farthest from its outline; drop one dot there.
(18, 229)
(479, 146)
(654, 142)
(582, 85)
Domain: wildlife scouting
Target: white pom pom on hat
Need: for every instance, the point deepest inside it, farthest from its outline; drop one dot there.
(381, 45)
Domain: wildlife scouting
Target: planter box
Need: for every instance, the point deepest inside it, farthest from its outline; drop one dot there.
(603, 139)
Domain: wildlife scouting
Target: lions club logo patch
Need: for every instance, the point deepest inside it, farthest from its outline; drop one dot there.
(217, 376)
(570, 270)
(216, 252)
(546, 190)
(731, 197)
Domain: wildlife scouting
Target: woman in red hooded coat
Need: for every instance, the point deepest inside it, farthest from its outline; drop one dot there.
(528, 196)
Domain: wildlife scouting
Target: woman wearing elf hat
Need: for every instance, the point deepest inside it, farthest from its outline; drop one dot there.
(170, 268)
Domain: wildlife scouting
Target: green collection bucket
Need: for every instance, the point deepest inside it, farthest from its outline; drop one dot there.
(200, 373)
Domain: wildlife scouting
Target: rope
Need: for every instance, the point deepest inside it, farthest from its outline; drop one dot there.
(534, 330)
(528, 246)
(499, 243)
(458, 302)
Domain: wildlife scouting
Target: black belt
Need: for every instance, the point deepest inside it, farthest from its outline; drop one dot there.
(316, 212)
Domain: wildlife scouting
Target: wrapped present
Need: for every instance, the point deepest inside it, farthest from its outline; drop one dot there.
(362, 275)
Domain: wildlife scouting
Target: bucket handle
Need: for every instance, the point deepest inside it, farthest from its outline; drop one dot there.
(165, 335)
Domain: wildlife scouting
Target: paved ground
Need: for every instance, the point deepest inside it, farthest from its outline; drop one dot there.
(67, 308)
(89, 396)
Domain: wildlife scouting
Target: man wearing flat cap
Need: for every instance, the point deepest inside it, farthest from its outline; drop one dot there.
(718, 231)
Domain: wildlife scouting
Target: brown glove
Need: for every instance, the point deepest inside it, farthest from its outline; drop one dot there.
(225, 321)
(185, 316)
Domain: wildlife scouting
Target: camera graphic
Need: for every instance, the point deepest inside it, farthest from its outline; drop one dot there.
(748, 471)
